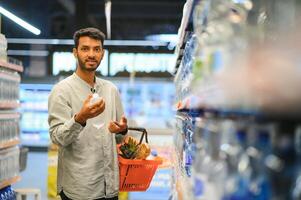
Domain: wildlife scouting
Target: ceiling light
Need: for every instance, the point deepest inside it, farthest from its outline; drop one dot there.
(71, 42)
(19, 21)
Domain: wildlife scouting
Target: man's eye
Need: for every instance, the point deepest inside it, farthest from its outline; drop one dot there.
(85, 49)
(97, 49)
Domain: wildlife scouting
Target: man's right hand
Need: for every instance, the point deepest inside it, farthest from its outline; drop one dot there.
(89, 111)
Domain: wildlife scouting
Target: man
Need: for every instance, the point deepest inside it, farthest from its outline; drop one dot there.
(85, 132)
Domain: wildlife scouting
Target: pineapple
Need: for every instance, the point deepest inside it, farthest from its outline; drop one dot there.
(129, 148)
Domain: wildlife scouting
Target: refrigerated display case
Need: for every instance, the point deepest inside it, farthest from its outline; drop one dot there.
(34, 109)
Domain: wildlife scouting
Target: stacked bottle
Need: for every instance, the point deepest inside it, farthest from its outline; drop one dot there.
(9, 163)
(9, 86)
(9, 127)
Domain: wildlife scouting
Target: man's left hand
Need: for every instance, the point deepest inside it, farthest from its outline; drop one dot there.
(118, 127)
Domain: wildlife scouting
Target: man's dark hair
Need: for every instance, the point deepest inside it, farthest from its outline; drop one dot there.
(90, 32)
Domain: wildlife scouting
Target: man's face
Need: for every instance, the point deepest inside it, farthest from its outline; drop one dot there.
(89, 53)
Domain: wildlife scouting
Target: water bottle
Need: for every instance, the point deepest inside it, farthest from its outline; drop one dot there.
(283, 151)
(259, 187)
(9, 193)
(95, 98)
(237, 179)
(296, 193)
(2, 195)
(6, 197)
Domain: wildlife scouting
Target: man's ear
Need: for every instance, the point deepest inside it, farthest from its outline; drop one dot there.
(74, 50)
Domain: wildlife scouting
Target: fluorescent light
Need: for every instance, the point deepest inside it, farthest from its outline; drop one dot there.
(40, 41)
(20, 21)
(71, 42)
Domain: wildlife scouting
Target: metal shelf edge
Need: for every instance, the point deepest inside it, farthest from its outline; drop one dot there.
(9, 181)
(9, 144)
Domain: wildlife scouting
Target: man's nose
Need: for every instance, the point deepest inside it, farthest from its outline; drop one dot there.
(91, 53)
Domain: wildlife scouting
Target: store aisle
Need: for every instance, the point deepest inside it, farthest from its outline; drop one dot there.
(35, 174)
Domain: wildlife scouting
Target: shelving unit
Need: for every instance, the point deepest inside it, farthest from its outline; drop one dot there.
(9, 119)
(230, 126)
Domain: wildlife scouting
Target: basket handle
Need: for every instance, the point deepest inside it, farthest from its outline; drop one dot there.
(139, 129)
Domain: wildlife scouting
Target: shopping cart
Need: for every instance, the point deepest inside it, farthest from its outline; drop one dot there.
(136, 175)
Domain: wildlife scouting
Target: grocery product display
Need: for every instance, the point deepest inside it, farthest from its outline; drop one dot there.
(238, 119)
(9, 123)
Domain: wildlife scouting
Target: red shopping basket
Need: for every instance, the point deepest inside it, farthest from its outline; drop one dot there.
(136, 175)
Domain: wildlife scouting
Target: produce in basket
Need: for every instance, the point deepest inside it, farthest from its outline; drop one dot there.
(131, 149)
(143, 151)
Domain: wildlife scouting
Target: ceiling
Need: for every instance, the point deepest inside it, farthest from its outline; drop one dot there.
(130, 19)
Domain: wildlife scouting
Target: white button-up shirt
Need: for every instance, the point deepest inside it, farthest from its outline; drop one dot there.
(87, 161)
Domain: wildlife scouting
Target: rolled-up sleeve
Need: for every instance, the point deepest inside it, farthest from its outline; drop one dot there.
(63, 129)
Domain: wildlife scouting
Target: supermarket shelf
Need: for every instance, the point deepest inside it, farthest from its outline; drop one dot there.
(9, 144)
(9, 105)
(9, 115)
(10, 77)
(11, 66)
(256, 116)
(218, 101)
(10, 181)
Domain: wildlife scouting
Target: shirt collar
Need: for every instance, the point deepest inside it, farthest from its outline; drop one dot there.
(97, 81)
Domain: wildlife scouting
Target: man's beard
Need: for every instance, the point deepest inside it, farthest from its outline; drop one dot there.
(83, 67)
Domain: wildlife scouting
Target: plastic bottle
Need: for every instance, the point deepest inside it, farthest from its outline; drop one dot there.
(283, 175)
(95, 98)
(296, 193)
(236, 182)
(259, 187)
(2, 194)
